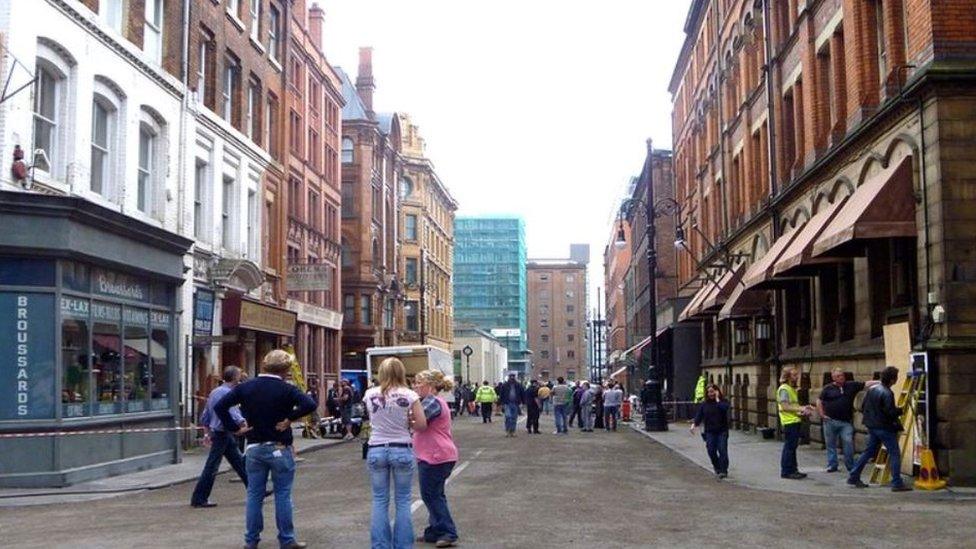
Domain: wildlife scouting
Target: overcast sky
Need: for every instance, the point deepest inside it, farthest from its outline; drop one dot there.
(539, 108)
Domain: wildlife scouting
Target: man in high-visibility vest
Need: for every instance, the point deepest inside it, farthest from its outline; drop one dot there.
(485, 396)
(790, 419)
(700, 389)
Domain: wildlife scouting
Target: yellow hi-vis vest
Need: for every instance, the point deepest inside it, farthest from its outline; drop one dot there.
(787, 418)
(700, 389)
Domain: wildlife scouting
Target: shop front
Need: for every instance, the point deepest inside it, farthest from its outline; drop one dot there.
(88, 317)
(252, 329)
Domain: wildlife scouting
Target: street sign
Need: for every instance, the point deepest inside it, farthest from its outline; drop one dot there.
(309, 277)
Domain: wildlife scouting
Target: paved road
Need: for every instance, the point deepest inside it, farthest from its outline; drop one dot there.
(583, 490)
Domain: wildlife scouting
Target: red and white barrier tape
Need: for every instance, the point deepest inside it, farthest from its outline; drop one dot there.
(98, 432)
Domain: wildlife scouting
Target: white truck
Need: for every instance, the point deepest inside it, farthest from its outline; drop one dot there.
(416, 358)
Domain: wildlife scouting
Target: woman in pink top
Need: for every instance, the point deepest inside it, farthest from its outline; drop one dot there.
(436, 456)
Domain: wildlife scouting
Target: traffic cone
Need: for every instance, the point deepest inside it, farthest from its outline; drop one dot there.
(928, 473)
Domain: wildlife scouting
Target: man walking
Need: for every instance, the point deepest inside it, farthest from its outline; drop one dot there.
(586, 404)
(270, 405)
(222, 443)
(485, 396)
(533, 409)
(790, 418)
(836, 408)
(562, 399)
(346, 399)
(577, 393)
(613, 397)
(882, 418)
(512, 396)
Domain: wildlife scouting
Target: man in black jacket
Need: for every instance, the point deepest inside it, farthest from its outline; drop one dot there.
(512, 394)
(269, 405)
(532, 409)
(882, 418)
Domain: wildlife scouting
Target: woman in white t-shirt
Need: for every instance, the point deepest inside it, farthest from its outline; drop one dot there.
(393, 410)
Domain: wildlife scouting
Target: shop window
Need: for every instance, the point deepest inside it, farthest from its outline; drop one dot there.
(797, 317)
(159, 354)
(828, 304)
(76, 377)
(135, 359)
(106, 357)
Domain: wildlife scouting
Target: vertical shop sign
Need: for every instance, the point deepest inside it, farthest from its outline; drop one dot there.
(28, 371)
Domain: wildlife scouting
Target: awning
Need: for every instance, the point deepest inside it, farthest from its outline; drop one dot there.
(762, 269)
(882, 207)
(745, 303)
(693, 308)
(635, 348)
(723, 288)
(799, 253)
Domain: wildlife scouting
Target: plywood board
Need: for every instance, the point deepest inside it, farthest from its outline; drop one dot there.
(898, 349)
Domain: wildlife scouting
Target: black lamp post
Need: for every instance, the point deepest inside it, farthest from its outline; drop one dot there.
(468, 351)
(655, 417)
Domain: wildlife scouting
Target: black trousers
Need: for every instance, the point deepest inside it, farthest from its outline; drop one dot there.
(532, 419)
(485, 412)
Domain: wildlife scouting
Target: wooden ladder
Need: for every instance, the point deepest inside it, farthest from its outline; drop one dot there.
(912, 390)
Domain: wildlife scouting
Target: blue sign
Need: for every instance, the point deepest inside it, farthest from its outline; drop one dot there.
(203, 312)
(27, 371)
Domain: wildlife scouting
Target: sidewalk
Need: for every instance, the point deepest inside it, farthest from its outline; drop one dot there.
(754, 463)
(150, 479)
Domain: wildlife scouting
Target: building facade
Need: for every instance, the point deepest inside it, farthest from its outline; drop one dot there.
(488, 360)
(616, 262)
(490, 282)
(426, 243)
(823, 148)
(371, 165)
(313, 126)
(557, 319)
(92, 258)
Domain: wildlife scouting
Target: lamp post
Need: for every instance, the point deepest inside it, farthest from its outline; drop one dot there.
(655, 418)
(468, 351)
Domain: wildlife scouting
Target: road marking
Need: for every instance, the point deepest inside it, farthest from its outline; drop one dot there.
(417, 503)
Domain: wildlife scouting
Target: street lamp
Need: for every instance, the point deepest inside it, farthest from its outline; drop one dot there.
(468, 351)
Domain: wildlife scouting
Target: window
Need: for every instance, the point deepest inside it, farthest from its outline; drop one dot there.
(76, 379)
(255, 9)
(295, 198)
(348, 200)
(314, 210)
(406, 187)
(159, 354)
(570, 322)
(227, 214)
(346, 254)
(273, 32)
(545, 338)
(252, 224)
(107, 365)
(252, 122)
(388, 314)
(152, 41)
(102, 121)
(410, 313)
(544, 323)
(295, 132)
(205, 70)
(113, 11)
(313, 148)
(347, 150)
(879, 31)
(410, 275)
(46, 118)
(136, 375)
(147, 167)
(231, 87)
(349, 308)
(234, 7)
(410, 227)
(366, 309)
(200, 178)
(544, 354)
(571, 338)
(273, 131)
(570, 308)
(570, 279)
(570, 354)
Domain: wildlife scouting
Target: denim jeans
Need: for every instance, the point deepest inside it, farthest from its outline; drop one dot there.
(717, 445)
(586, 418)
(222, 444)
(610, 416)
(385, 463)
(878, 437)
(261, 459)
(511, 417)
(833, 429)
(432, 479)
(791, 440)
(560, 415)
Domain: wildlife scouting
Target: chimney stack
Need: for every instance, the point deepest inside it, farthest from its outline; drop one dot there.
(365, 85)
(316, 17)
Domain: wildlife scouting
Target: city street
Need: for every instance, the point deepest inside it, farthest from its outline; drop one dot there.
(583, 490)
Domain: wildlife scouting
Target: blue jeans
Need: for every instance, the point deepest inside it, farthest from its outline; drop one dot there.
(717, 445)
(384, 463)
(791, 440)
(432, 479)
(260, 460)
(222, 445)
(511, 417)
(833, 429)
(610, 413)
(878, 437)
(560, 416)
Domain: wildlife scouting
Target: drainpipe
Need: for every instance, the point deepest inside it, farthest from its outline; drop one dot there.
(186, 397)
(770, 112)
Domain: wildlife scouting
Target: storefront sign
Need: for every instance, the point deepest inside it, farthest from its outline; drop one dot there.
(72, 307)
(309, 277)
(120, 285)
(203, 312)
(158, 319)
(27, 371)
(263, 318)
(313, 314)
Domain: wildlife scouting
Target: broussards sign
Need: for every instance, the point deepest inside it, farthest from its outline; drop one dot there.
(27, 372)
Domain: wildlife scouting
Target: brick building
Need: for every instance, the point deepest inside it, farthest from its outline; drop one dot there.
(426, 259)
(312, 121)
(616, 262)
(824, 148)
(371, 164)
(557, 319)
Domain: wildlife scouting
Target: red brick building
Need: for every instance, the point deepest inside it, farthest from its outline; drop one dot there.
(824, 148)
(313, 126)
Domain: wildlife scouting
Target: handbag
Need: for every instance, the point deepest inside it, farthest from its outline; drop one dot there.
(432, 407)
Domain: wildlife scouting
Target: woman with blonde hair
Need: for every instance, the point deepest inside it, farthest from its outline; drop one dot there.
(393, 409)
(436, 456)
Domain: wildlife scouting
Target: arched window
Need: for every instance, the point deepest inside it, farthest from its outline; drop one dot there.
(107, 139)
(151, 182)
(51, 115)
(347, 151)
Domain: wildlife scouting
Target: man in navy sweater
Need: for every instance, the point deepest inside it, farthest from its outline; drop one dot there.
(269, 405)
